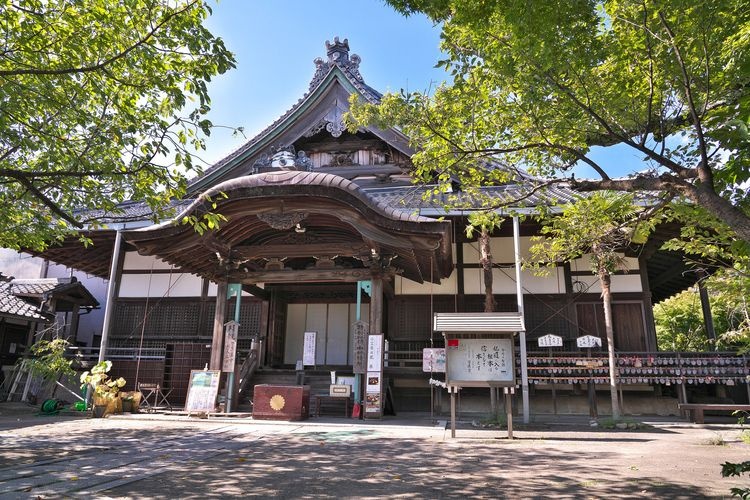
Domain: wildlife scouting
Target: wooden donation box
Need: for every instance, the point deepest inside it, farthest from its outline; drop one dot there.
(281, 402)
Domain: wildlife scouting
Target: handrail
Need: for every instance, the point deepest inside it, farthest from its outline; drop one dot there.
(248, 366)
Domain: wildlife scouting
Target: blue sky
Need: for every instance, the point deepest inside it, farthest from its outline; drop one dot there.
(275, 42)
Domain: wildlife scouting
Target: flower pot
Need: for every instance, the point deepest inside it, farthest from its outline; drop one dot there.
(99, 411)
(127, 405)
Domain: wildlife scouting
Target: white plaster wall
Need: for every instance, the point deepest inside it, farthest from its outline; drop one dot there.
(19, 265)
(160, 285)
(501, 248)
(504, 281)
(133, 261)
(630, 264)
(404, 286)
(622, 283)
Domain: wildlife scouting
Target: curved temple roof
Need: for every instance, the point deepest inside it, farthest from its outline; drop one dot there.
(291, 226)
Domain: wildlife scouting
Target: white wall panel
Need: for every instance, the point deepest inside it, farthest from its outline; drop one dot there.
(337, 340)
(317, 319)
(296, 315)
(405, 286)
(623, 283)
(136, 262)
(583, 264)
(161, 285)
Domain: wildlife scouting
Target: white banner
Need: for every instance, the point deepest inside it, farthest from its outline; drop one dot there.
(308, 352)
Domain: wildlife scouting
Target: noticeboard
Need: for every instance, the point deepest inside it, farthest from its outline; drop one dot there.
(433, 360)
(203, 389)
(485, 362)
(308, 348)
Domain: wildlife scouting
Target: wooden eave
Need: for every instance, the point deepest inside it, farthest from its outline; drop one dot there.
(339, 220)
(93, 259)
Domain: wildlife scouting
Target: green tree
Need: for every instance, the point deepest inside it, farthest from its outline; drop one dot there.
(600, 226)
(679, 319)
(538, 83)
(102, 101)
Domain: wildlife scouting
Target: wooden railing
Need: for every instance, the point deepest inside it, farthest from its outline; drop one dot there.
(569, 367)
(248, 367)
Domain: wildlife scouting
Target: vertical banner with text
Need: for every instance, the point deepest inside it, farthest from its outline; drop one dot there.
(374, 385)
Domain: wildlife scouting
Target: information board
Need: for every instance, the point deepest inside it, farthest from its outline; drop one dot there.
(480, 362)
(230, 346)
(203, 389)
(308, 351)
(433, 360)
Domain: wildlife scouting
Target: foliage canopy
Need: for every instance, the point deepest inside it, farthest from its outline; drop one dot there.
(536, 84)
(102, 101)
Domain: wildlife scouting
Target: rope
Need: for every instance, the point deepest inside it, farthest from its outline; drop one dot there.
(143, 323)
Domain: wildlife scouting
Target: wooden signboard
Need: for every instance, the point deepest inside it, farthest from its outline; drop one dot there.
(487, 362)
(203, 389)
(230, 346)
(360, 331)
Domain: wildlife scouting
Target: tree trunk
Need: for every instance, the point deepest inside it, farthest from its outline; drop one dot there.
(485, 259)
(605, 281)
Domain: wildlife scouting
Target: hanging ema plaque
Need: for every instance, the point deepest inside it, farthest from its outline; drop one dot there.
(588, 341)
(550, 341)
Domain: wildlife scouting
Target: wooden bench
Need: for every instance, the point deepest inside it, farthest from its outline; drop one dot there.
(696, 409)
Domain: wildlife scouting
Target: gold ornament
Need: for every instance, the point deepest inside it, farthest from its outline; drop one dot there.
(277, 402)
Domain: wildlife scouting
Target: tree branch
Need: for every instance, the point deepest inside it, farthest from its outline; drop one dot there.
(106, 62)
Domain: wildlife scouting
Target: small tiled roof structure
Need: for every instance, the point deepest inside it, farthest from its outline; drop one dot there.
(67, 291)
(17, 308)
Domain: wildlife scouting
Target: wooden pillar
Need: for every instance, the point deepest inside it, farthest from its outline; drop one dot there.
(708, 319)
(648, 308)
(265, 311)
(217, 343)
(376, 305)
(73, 328)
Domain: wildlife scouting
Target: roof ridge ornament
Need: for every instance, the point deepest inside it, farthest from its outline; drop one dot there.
(338, 55)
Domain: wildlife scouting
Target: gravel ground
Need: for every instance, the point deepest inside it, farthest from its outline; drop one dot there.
(158, 456)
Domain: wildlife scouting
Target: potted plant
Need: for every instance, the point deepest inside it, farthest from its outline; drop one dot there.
(127, 402)
(106, 389)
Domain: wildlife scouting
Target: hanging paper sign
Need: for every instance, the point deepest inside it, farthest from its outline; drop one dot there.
(374, 353)
(433, 360)
(360, 330)
(588, 341)
(550, 341)
(231, 330)
(308, 351)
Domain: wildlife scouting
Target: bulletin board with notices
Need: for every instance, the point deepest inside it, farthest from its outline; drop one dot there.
(480, 362)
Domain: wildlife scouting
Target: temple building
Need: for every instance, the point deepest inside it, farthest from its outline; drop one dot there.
(325, 232)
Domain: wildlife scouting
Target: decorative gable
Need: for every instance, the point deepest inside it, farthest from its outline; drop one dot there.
(311, 136)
